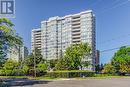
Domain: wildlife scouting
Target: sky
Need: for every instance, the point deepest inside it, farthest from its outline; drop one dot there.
(112, 20)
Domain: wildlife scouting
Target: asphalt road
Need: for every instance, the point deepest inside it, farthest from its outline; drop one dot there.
(119, 82)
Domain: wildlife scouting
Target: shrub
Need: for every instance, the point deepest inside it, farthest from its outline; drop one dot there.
(2, 73)
(38, 73)
(109, 69)
(25, 69)
(70, 74)
(15, 72)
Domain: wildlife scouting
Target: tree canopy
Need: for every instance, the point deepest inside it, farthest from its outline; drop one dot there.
(120, 63)
(30, 59)
(8, 37)
(73, 58)
(121, 60)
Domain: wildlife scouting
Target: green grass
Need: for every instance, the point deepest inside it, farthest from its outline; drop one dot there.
(29, 77)
(73, 71)
(13, 76)
(78, 78)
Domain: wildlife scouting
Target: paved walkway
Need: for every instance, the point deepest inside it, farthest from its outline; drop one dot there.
(120, 82)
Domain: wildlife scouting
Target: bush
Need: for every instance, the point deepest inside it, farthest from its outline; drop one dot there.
(38, 73)
(70, 74)
(15, 72)
(2, 72)
(25, 69)
(103, 75)
(109, 69)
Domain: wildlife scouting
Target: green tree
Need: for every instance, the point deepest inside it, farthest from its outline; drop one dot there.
(109, 69)
(8, 37)
(74, 57)
(38, 57)
(25, 69)
(41, 67)
(10, 66)
(29, 61)
(121, 60)
(99, 68)
(63, 64)
(52, 63)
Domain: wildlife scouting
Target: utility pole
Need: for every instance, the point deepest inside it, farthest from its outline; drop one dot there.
(34, 54)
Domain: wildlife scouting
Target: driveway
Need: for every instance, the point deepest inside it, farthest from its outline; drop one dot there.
(114, 82)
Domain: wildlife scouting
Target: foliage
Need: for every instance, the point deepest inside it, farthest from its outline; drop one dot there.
(52, 63)
(99, 68)
(29, 61)
(70, 74)
(121, 60)
(40, 64)
(41, 67)
(8, 37)
(63, 64)
(9, 67)
(12, 68)
(25, 69)
(109, 69)
(74, 56)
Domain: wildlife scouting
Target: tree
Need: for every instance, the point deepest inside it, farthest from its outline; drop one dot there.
(25, 69)
(8, 37)
(109, 69)
(10, 66)
(52, 63)
(99, 68)
(30, 59)
(85, 63)
(41, 67)
(121, 60)
(63, 64)
(74, 57)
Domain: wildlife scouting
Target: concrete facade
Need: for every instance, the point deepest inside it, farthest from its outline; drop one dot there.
(58, 33)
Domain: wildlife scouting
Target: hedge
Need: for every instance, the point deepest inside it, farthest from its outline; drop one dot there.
(38, 73)
(14, 72)
(51, 74)
(70, 74)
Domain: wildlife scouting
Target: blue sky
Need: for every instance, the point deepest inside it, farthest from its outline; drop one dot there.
(112, 19)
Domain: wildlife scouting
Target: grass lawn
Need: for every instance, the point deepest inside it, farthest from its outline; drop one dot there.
(28, 77)
(48, 78)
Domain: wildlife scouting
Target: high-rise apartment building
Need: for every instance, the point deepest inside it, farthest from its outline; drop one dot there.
(17, 53)
(36, 39)
(14, 53)
(97, 60)
(24, 52)
(58, 33)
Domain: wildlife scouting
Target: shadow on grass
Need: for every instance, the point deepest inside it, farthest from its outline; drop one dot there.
(20, 82)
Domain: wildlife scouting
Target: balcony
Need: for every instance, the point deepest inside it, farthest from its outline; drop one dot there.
(75, 17)
(75, 33)
(76, 29)
(76, 42)
(76, 37)
(75, 21)
(75, 26)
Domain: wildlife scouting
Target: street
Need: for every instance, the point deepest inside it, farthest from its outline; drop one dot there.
(114, 82)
